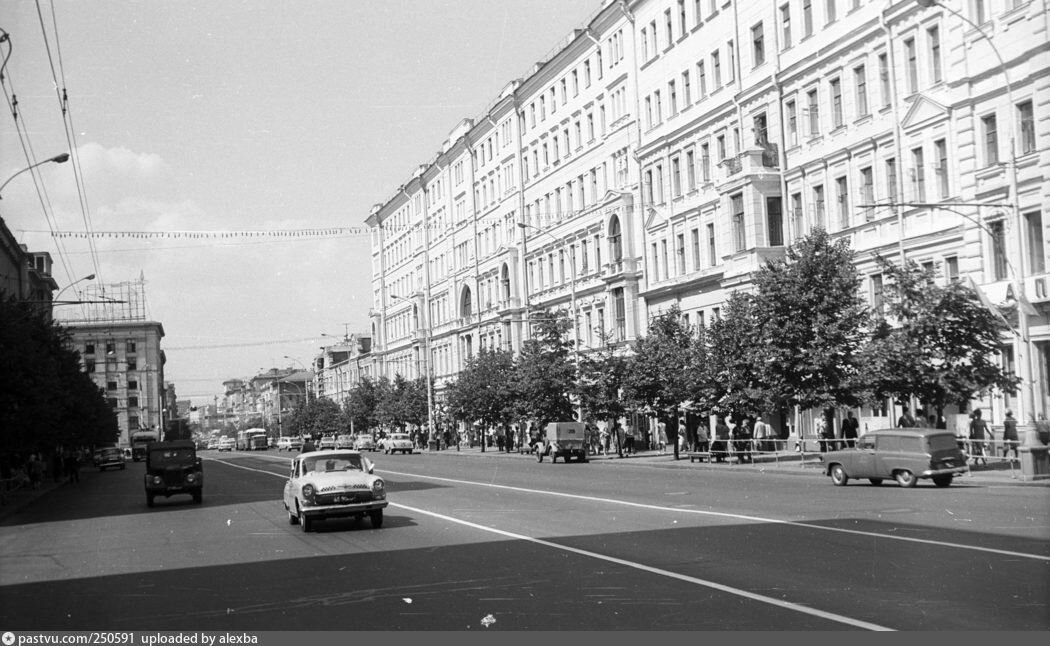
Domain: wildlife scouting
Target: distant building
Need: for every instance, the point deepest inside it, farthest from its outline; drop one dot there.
(24, 275)
(342, 366)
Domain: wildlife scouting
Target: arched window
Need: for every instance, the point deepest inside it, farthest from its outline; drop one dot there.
(505, 284)
(466, 305)
(615, 240)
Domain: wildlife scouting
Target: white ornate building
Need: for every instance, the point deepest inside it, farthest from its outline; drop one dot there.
(667, 148)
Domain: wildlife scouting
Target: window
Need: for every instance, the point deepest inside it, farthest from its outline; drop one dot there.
(785, 25)
(716, 69)
(712, 258)
(656, 262)
(842, 196)
(690, 170)
(836, 103)
(951, 268)
(648, 112)
(1034, 238)
(878, 302)
(737, 209)
(129, 347)
(696, 248)
(918, 175)
(620, 310)
(676, 177)
(133, 384)
(792, 122)
(758, 45)
(701, 79)
(705, 161)
(730, 61)
(111, 385)
(941, 170)
(933, 37)
(133, 402)
(132, 364)
(819, 218)
(867, 192)
(991, 140)
(979, 13)
(89, 366)
(774, 221)
(814, 113)
(1027, 119)
(575, 83)
(796, 215)
(111, 347)
(89, 348)
(672, 97)
(998, 242)
(681, 17)
(720, 147)
(832, 13)
(760, 129)
(807, 18)
(587, 74)
(652, 30)
(668, 27)
(860, 78)
(912, 65)
(891, 179)
(679, 253)
(687, 98)
(884, 80)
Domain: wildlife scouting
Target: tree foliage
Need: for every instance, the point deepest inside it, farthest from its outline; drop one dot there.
(318, 417)
(936, 343)
(601, 381)
(544, 373)
(483, 391)
(730, 382)
(46, 399)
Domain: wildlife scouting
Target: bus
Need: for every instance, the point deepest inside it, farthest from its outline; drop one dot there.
(252, 439)
(139, 440)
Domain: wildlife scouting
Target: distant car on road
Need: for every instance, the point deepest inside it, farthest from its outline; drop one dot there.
(333, 484)
(290, 443)
(327, 443)
(904, 454)
(396, 442)
(226, 444)
(364, 442)
(110, 458)
(344, 441)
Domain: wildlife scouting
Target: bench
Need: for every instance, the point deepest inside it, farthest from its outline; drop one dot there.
(699, 455)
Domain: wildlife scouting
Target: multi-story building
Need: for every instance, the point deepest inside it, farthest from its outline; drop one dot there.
(125, 360)
(341, 366)
(668, 148)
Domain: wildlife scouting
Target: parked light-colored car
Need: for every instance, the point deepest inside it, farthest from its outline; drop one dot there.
(364, 442)
(396, 442)
(333, 484)
(289, 443)
(903, 454)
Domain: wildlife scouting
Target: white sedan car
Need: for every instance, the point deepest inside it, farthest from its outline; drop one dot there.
(396, 442)
(333, 484)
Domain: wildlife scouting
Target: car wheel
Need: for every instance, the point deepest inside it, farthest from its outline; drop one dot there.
(377, 518)
(906, 478)
(942, 481)
(539, 455)
(149, 500)
(305, 521)
(838, 475)
(875, 481)
(292, 518)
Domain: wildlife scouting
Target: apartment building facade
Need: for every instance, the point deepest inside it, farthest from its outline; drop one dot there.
(668, 148)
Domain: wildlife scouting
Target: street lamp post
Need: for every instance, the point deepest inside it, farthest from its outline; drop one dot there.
(575, 321)
(57, 159)
(1025, 345)
(79, 280)
(426, 366)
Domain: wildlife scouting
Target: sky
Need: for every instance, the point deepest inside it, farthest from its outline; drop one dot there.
(190, 119)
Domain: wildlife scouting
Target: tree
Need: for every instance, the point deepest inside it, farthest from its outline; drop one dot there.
(544, 375)
(602, 376)
(656, 371)
(360, 405)
(730, 383)
(484, 391)
(318, 417)
(934, 342)
(811, 324)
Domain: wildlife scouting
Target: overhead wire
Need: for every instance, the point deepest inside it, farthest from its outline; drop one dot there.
(67, 121)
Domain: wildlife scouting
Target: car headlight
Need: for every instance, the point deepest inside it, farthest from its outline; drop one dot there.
(378, 485)
(308, 492)
(191, 477)
(157, 480)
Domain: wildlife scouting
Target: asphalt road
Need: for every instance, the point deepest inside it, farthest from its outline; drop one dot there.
(505, 543)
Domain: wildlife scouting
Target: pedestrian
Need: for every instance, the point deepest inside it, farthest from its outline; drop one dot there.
(1010, 435)
(850, 426)
(905, 420)
(978, 429)
(742, 436)
(603, 440)
(682, 432)
(661, 437)
(823, 435)
(628, 438)
(703, 442)
(73, 466)
(920, 420)
(308, 445)
(762, 434)
(1042, 429)
(720, 446)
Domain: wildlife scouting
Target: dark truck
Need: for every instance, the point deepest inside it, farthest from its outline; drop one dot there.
(173, 468)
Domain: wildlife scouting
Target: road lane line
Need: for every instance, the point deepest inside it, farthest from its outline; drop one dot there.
(787, 605)
(701, 512)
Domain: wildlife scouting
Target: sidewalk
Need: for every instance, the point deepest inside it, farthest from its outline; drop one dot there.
(15, 501)
(786, 462)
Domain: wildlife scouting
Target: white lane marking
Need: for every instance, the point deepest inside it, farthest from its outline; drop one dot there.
(701, 512)
(787, 605)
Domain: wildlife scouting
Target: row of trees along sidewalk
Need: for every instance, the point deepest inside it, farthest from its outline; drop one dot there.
(802, 338)
(46, 398)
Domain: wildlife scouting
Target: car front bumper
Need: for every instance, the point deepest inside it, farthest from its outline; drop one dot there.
(955, 471)
(342, 511)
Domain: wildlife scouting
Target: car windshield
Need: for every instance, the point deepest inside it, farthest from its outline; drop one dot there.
(172, 456)
(327, 463)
